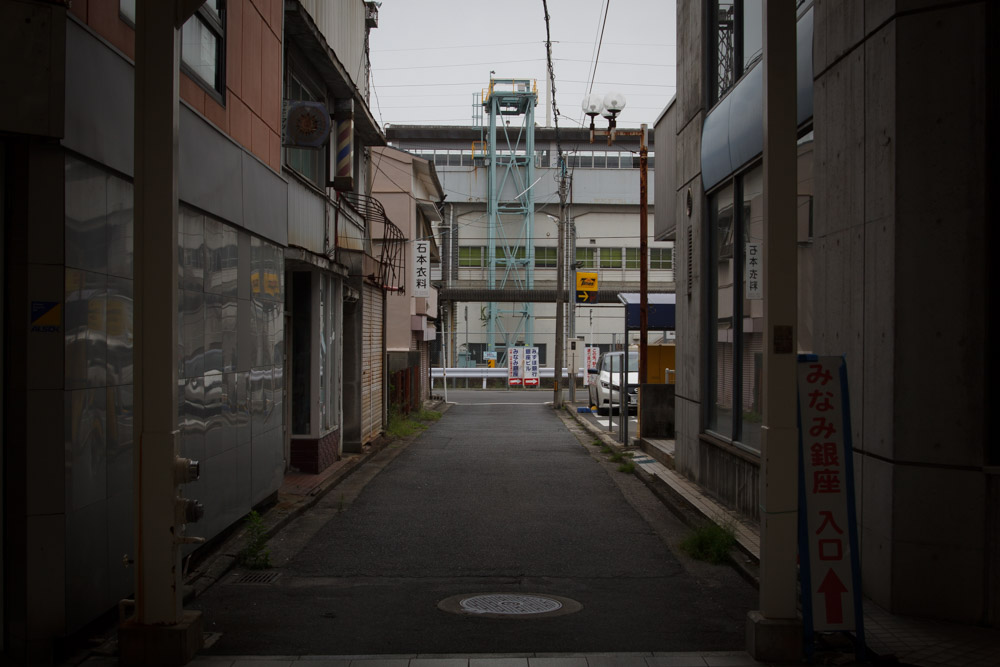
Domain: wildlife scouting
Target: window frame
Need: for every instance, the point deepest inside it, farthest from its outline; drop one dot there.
(546, 257)
(476, 256)
(306, 90)
(586, 258)
(607, 260)
(216, 24)
(657, 263)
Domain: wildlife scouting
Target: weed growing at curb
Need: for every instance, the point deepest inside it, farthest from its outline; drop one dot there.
(428, 415)
(400, 426)
(596, 442)
(628, 467)
(606, 450)
(255, 555)
(710, 542)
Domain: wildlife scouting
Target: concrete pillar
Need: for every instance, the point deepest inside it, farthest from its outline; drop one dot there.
(160, 632)
(774, 632)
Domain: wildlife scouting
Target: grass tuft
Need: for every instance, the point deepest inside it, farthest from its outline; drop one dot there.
(255, 555)
(401, 426)
(710, 542)
(627, 466)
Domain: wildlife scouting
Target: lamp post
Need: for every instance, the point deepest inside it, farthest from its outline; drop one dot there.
(609, 107)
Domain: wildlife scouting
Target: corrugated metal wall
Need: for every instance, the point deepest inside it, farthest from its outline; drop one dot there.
(342, 22)
(372, 371)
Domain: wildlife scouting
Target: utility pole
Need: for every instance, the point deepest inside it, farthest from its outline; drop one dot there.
(560, 286)
(561, 252)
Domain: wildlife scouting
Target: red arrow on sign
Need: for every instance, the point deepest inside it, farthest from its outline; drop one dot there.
(833, 588)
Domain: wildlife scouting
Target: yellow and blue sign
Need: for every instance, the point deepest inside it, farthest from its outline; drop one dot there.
(46, 316)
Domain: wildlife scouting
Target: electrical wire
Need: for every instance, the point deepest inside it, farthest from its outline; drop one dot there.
(597, 57)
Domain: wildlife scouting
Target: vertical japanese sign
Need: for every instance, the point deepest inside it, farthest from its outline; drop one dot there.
(593, 354)
(515, 366)
(828, 535)
(530, 367)
(752, 272)
(421, 268)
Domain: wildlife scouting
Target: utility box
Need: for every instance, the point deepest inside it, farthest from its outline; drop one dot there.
(661, 363)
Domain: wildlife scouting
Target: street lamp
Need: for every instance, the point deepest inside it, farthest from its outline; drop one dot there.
(610, 106)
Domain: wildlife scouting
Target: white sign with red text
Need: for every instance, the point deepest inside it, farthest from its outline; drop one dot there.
(593, 354)
(826, 484)
(515, 366)
(530, 366)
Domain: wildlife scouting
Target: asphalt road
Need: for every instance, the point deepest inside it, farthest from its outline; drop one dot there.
(499, 496)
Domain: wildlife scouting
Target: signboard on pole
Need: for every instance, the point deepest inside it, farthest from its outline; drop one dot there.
(593, 354)
(828, 534)
(530, 367)
(421, 268)
(586, 286)
(515, 366)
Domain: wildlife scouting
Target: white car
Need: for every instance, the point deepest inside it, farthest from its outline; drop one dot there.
(604, 393)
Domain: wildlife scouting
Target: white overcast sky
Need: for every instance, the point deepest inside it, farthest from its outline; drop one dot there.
(429, 57)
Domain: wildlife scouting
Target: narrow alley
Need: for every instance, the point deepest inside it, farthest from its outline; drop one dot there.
(499, 496)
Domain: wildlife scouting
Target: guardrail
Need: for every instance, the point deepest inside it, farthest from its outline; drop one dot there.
(484, 372)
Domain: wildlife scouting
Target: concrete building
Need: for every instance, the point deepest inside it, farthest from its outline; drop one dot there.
(893, 272)
(409, 189)
(268, 253)
(604, 226)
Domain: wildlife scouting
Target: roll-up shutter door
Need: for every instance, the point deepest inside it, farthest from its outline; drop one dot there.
(371, 374)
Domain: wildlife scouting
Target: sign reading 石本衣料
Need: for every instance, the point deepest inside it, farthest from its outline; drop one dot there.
(752, 273)
(515, 366)
(530, 366)
(828, 546)
(421, 268)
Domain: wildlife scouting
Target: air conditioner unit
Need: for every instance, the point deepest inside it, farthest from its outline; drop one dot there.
(305, 124)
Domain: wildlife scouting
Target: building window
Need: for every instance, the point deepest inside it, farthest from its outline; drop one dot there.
(585, 258)
(306, 161)
(470, 256)
(661, 258)
(126, 10)
(515, 255)
(611, 258)
(203, 46)
(545, 257)
(736, 322)
(737, 41)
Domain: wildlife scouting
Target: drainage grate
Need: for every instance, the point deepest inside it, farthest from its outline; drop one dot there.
(510, 605)
(503, 603)
(257, 578)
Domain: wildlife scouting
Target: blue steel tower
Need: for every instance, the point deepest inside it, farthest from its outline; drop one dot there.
(510, 104)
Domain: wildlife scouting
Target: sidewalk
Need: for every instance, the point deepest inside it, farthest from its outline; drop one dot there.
(910, 641)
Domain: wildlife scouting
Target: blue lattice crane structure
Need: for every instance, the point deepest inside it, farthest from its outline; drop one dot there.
(509, 105)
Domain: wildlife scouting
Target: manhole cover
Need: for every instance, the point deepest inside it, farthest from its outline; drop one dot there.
(503, 603)
(510, 605)
(257, 578)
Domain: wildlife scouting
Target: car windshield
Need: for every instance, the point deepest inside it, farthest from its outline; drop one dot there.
(633, 363)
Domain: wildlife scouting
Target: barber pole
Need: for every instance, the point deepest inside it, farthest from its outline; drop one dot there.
(344, 157)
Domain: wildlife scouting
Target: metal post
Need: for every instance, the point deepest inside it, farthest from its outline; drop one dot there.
(643, 257)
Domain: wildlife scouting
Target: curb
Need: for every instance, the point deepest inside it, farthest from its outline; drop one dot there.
(741, 560)
(224, 557)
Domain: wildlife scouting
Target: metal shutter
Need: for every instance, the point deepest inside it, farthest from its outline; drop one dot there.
(371, 374)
